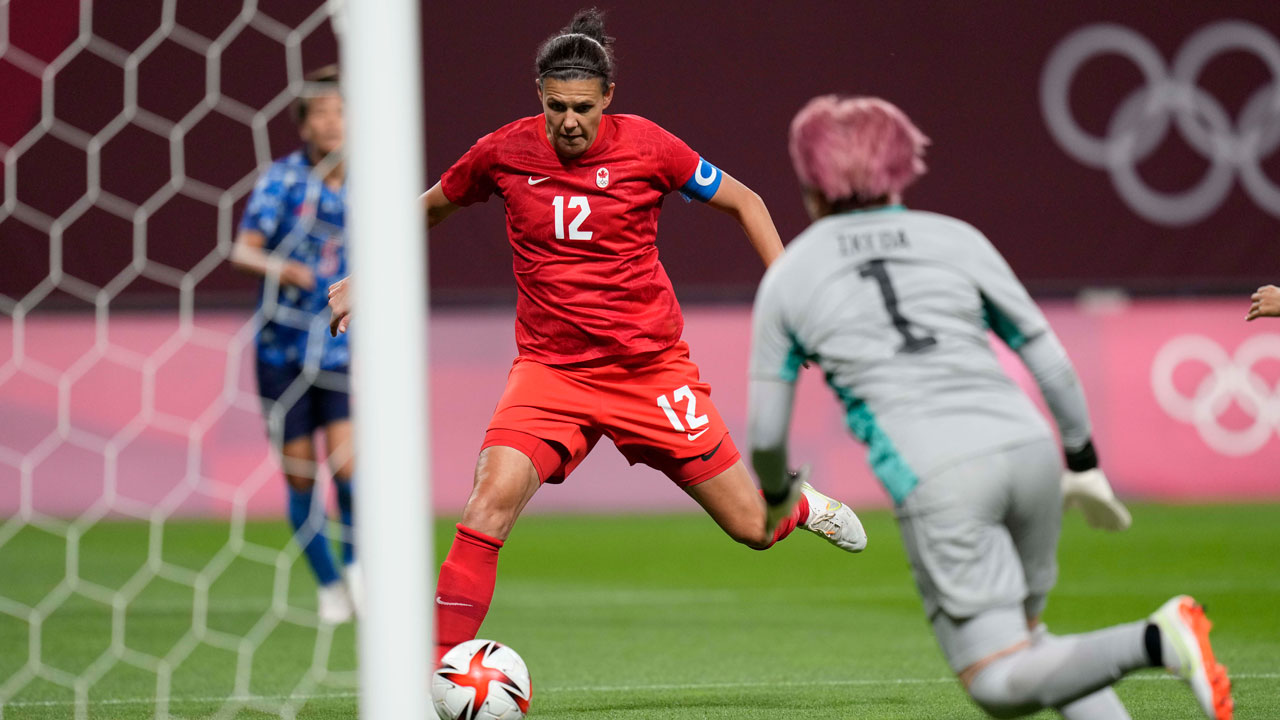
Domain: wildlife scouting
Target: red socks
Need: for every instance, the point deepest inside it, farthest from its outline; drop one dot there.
(798, 515)
(465, 587)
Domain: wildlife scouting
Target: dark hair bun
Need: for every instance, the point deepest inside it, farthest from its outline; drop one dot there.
(580, 51)
(589, 22)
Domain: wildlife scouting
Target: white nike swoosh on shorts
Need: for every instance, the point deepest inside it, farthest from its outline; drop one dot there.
(535, 182)
(695, 436)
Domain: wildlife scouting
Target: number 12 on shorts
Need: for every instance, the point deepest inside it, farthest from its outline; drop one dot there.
(691, 416)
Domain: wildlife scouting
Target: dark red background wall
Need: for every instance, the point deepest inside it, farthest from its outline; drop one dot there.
(725, 76)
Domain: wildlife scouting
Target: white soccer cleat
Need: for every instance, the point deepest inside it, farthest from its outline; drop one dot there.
(1183, 624)
(333, 603)
(1090, 491)
(355, 587)
(833, 521)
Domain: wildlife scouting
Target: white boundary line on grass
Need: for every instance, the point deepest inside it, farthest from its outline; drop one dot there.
(837, 683)
(578, 688)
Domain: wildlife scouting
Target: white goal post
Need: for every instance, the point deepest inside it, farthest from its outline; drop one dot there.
(382, 83)
(145, 569)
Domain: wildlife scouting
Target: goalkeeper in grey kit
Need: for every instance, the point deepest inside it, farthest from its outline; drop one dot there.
(895, 306)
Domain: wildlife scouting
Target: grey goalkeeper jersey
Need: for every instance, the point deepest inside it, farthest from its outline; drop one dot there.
(895, 305)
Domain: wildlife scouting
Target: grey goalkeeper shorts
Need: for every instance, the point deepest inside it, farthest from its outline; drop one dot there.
(982, 538)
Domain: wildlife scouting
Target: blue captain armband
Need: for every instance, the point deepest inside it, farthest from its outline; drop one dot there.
(704, 182)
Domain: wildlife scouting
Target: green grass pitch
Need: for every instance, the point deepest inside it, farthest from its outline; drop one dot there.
(633, 617)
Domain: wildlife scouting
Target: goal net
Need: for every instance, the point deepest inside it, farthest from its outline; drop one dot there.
(146, 568)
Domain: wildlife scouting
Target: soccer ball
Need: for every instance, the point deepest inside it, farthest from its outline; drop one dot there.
(481, 680)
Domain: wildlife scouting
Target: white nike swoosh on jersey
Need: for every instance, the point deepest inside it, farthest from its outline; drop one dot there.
(695, 436)
(535, 182)
(452, 604)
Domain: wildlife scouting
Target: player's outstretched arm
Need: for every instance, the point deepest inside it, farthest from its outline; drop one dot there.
(249, 255)
(340, 306)
(1017, 320)
(1083, 483)
(769, 419)
(1265, 303)
(438, 206)
(749, 210)
(771, 395)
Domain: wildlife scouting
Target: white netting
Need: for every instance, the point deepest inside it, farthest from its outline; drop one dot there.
(119, 428)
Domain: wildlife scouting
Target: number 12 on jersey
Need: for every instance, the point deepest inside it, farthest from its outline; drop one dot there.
(575, 231)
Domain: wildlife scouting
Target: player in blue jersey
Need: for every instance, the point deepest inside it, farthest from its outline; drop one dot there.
(292, 235)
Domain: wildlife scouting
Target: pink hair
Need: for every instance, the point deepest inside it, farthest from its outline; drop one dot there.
(856, 146)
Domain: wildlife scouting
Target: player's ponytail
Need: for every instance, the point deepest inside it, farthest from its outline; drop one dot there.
(580, 51)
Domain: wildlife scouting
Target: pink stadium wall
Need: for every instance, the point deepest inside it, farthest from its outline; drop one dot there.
(1183, 396)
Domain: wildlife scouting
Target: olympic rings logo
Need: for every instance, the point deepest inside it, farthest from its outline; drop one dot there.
(1141, 122)
(1230, 378)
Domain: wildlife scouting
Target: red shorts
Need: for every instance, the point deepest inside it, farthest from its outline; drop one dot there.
(652, 406)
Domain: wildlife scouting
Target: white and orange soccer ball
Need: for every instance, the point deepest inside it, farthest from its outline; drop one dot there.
(481, 680)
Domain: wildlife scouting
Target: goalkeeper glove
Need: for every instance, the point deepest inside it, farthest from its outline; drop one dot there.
(1090, 491)
(778, 507)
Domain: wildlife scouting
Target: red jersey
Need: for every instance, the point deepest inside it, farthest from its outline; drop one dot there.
(584, 231)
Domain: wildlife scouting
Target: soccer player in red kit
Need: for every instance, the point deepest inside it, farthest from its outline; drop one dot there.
(597, 323)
